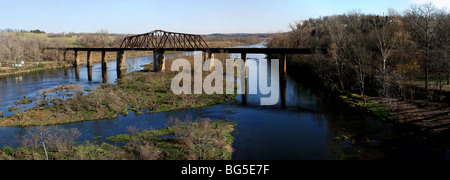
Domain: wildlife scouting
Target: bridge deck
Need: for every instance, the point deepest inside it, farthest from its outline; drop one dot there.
(211, 50)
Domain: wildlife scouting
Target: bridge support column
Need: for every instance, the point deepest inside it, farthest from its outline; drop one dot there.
(211, 63)
(205, 57)
(283, 80)
(209, 56)
(64, 54)
(104, 61)
(159, 62)
(121, 60)
(77, 59)
(245, 84)
(89, 59)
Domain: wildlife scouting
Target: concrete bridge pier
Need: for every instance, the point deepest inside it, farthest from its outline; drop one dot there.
(89, 59)
(104, 61)
(159, 62)
(76, 59)
(204, 56)
(64, 54)
(211, 64)
(121, 60)
(121, 64)
(207, 55)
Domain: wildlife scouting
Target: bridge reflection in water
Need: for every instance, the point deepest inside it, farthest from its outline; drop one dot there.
(244, 98)
(120, 73)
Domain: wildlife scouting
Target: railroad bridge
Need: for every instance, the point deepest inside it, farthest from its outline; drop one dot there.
(160, 41)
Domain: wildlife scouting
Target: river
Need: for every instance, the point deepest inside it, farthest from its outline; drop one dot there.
(311, 127)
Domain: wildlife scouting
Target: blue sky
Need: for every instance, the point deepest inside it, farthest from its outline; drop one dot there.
(190, 16)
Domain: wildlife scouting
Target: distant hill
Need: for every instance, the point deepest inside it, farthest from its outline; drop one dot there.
(236, 35)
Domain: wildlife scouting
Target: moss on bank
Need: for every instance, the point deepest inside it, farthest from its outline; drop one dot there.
(371, 106)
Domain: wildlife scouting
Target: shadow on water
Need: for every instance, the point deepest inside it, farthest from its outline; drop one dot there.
(312, 126)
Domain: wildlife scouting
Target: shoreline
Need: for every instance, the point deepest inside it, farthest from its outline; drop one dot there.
(187, 143)
(34, 69)
(137, 91)
(96, 58)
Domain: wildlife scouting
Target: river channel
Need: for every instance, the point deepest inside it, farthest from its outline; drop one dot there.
(312, 126)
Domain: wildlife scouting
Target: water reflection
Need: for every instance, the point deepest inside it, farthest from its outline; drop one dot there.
(283, 86)
(77, 73)
(104, 75)
(90, 68)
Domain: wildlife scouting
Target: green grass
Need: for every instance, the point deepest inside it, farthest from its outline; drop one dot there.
(370, 106)
(25, 101)
(145, 135)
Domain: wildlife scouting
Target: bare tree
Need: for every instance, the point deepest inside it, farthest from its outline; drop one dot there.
(87, 41)
(300, 34)
(360, 57)
(279, 40)
(3, 50)
(358, 53)
(35, 51)
(337, 32)
(443, 43)
(386, 29)
(118, 40)
(16, 48)
(424, 21)
(9, 43)
(103, 38)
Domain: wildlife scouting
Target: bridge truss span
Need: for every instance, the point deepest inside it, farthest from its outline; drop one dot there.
(159, 39)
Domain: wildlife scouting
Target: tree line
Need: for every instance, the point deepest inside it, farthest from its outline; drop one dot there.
(389, 55)
(15, 48)
(17, 45)
(37, 31)
(22, 45)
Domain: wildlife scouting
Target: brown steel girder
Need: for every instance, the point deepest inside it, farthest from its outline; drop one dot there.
(159, 39)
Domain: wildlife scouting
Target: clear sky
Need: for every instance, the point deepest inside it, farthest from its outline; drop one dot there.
(190, 16)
